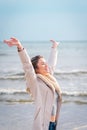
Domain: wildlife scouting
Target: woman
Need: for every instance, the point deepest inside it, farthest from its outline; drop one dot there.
(42, 85)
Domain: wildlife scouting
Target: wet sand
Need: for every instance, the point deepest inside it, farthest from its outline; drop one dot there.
(19, 116)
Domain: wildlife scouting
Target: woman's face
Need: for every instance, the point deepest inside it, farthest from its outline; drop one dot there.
(42, 67)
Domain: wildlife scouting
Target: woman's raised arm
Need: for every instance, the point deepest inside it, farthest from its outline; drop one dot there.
(53, 56)
(30, 76)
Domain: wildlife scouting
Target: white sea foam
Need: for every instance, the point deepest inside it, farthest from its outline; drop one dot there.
(81, 127)
(12, 91)
(75, 93)
(19, 91)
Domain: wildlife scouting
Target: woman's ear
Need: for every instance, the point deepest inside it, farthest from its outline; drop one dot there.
(36, 70)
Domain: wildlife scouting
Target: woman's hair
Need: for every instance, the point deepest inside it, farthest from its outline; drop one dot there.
(34, 61)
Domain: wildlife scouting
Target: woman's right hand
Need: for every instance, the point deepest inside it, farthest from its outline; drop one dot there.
(14, 42)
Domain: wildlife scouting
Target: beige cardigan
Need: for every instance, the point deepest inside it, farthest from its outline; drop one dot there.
(41, 92)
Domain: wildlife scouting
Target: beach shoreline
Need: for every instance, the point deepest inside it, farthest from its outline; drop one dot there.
(19, 116)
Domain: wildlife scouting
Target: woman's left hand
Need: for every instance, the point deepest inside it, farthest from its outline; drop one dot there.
(55, 43)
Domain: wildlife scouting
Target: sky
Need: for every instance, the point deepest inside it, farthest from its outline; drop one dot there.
(32, 20)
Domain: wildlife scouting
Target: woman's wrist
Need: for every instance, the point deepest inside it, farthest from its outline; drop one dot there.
(20, 47)
(55, 45)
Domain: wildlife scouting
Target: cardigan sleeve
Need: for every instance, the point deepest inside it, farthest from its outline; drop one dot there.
(30, 76)
(52, 61)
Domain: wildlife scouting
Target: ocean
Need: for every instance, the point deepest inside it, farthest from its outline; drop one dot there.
(17, 107)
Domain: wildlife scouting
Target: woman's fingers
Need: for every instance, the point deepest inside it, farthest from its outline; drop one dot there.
(12, 42)
(14, 39)
(52, 41)
(8, 42)
(55, 43)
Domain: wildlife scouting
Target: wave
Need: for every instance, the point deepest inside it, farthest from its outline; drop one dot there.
(66, 93)
(12, 91)
(20, 75)
(71, 72)
(17, 100)
(17, 91)
(75, 101)
(14, 76)
(31, 101)
(80, 127)
(21, 96)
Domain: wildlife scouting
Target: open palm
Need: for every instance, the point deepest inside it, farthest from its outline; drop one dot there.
(12, 42)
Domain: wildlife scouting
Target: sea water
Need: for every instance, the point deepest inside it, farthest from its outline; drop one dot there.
(70, 72)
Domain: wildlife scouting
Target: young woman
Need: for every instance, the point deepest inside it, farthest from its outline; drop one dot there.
(42, 85)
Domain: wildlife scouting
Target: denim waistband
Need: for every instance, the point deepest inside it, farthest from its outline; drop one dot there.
(52, 126)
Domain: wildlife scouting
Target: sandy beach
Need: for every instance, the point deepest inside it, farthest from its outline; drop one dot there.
(19, 116)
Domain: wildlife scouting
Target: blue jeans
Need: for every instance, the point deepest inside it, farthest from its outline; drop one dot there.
(52, 126)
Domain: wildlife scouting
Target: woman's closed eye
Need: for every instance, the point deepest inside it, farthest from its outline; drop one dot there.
(43, 63)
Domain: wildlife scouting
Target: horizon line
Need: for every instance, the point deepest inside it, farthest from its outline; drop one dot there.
(49, 40)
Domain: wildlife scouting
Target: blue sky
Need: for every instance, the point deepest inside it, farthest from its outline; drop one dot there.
(43, 19)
